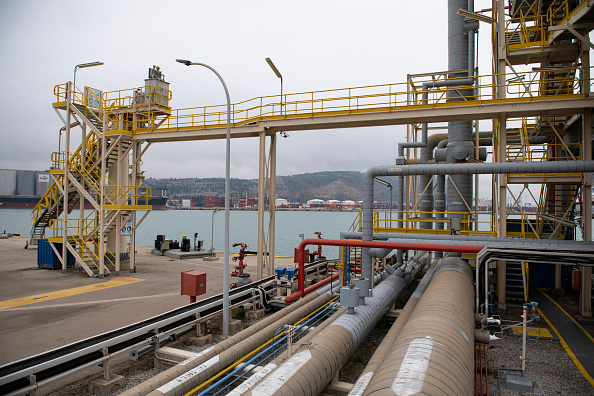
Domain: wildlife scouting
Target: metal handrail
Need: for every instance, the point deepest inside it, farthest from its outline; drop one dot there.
(363, 99)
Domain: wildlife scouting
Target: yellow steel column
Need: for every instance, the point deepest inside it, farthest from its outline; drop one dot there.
(102, 198)
(501, 146)
(65, 185)
(118, 201)
(261, 192)
(134, 180)
(272, 203)
(502, 210)
(586, 295)
(83, 152)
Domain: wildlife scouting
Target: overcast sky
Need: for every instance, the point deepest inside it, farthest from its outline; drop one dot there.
(315, 44)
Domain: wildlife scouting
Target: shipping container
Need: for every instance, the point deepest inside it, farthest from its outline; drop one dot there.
(8, 182)
(25, 182)
(46, 257)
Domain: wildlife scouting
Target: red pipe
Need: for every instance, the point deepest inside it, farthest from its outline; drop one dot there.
(309, 289)
(367, 244)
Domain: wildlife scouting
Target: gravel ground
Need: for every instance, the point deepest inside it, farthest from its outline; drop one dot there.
(547, 363)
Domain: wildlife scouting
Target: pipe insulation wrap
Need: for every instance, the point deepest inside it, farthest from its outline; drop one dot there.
(313, 367)
(253, 335)
(383, 349)
(434, 352)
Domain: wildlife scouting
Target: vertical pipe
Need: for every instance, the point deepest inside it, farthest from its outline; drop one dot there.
(460, 56)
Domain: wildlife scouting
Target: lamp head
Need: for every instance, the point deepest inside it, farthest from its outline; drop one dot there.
(90, 64)
(273, 67)
(184, 61)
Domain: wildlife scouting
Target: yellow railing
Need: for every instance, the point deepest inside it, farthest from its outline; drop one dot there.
(50, 197)
(563, 12)
(387, 221)
(365, 99)
(84, 229)
(530, 31)
(72, 232)
(147, 95)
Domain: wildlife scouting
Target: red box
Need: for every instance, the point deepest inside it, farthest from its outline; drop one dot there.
(193, 283)
(296, 256)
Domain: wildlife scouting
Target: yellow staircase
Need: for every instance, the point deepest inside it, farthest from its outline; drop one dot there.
(85, 172)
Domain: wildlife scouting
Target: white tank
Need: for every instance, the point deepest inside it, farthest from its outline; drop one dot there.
(8, 182)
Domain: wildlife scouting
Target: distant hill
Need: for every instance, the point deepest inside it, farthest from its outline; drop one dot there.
(340, 185)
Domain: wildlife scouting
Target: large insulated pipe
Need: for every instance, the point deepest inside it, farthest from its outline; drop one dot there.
(313, 367)
(259, 375)
(370, 244)
(253, 335)
(434, 352)
(453, 169)
(386, 344)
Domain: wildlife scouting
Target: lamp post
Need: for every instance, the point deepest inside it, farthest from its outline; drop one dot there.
(279, 75)
(385, 183)
(212, 231)
(82, 66)
(227, 197)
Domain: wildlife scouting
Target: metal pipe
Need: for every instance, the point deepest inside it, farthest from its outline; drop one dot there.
(260, 330)
(291, 298)
(369, 244)
(450, 169)
(434, 352)
(383, 349)
(312, 367)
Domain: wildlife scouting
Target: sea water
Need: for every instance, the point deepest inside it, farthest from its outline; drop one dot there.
(243, 227)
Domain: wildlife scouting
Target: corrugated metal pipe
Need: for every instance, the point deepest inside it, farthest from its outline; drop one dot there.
(434, 352)
(313, 366)
(381, 351)
(452, 169)
(243, 341)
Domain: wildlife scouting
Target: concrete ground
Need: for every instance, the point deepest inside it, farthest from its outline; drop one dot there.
(45, 316)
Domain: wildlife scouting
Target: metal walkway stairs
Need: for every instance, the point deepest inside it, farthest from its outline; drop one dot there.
(84, 181)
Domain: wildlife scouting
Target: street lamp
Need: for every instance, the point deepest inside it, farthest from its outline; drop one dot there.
(227, 197)
(212, 231)
(475, 16)
(279, 75)
(82, 66)
(385, 183)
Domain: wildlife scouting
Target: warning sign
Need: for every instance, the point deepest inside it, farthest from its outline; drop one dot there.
(125, 226)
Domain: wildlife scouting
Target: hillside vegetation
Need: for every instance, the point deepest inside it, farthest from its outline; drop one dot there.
(340, 185)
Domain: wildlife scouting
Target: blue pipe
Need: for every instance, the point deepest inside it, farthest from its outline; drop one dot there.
(240, 368)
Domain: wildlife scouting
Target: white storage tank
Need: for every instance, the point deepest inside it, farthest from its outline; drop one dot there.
(25, 182)
(8, 182)
(315, 202)
(42, 182)
(280, 202)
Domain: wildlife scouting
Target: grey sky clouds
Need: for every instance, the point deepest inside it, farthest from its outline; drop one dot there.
(315, 44)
